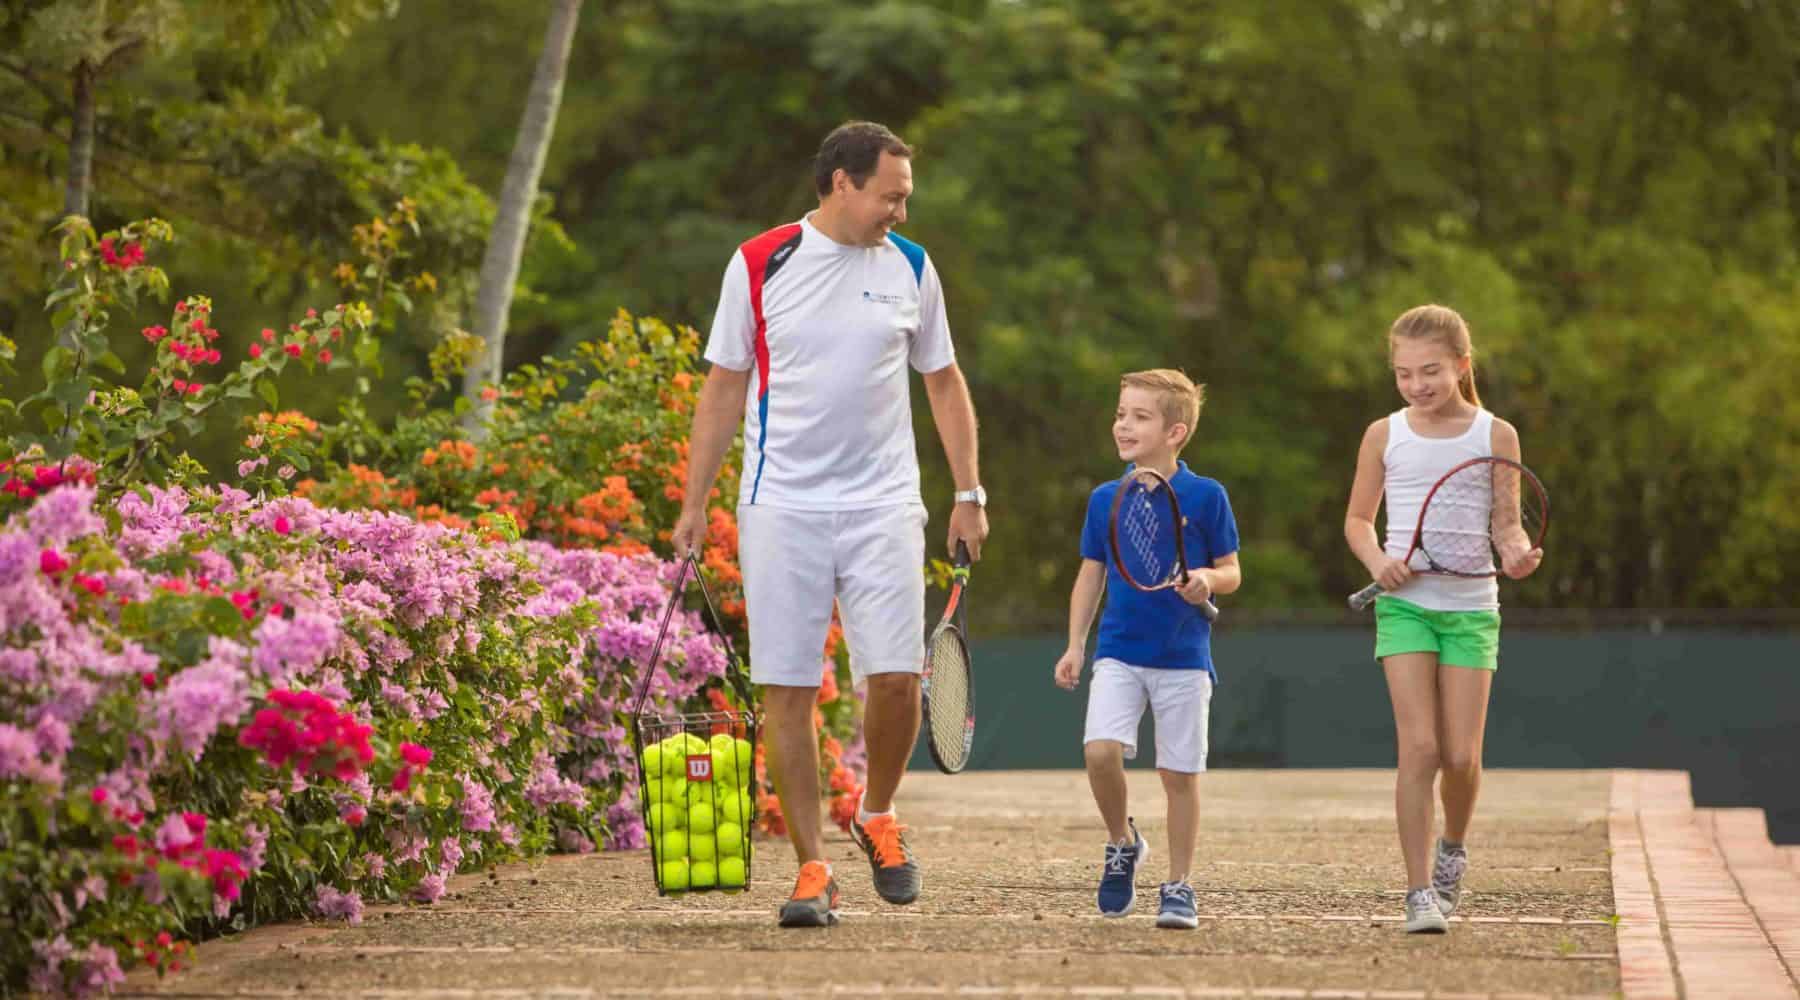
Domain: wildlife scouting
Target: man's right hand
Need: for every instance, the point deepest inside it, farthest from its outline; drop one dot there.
(689, 534)
(1068, 669)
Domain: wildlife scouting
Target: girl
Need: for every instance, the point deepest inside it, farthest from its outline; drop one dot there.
(1437, 637)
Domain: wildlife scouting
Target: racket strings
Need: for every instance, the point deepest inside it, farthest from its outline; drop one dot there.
(949, 694)
(1473, 511)
(1147, 535)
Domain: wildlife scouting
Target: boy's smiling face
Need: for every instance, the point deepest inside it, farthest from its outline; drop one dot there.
(1141, 432)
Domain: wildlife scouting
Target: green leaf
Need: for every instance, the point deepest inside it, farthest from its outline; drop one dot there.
(58, 362)
(111, 362)
(266, 389)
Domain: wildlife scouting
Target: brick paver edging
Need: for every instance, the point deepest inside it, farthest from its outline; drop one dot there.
(1686, 929)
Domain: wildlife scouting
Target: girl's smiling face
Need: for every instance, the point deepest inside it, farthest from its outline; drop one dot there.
(1426, 371)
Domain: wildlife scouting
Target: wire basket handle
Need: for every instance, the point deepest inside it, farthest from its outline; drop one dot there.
(735, 674)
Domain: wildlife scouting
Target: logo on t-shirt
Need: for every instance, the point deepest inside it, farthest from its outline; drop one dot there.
(882, 297)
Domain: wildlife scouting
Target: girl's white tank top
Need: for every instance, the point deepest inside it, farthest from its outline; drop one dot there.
(1413, 464)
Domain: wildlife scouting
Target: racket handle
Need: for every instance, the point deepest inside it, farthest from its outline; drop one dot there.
(1365, 597)
(1210, 610)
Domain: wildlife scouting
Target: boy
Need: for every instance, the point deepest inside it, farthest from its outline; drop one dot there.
(1155, 647)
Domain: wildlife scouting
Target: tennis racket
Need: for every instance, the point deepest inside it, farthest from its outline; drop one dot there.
(947, 686)
(1147, 537)
(1467, 514)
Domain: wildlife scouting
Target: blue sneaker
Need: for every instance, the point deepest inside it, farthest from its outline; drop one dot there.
(1177, 910)
(1118, 878)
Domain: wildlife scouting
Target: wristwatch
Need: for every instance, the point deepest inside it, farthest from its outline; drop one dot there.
(976, 496)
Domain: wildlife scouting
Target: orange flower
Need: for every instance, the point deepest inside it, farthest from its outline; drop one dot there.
(843, 811)
(828, 686)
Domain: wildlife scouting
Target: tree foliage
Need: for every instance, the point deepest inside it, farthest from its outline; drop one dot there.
(1250, 192)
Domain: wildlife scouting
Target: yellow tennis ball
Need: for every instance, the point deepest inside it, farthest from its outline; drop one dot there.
(703, 875)
(734, 807)
(724, 768)
(671, 845)
(720, 741)
(675, 792)
(667, 817)
(730, 839)
(731, 873)
(674, 759)
(700, 817)
(675, 876)
(703, 848)
(693, 744)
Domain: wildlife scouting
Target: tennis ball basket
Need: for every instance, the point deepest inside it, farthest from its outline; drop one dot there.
(697, 773)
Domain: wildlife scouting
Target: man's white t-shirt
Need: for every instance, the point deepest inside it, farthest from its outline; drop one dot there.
(829, 330)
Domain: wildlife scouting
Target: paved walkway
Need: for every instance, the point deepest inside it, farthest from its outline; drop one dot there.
(1298, 881)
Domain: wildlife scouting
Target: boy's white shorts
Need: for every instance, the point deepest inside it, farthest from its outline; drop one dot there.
(795, 562)
(1178, 699)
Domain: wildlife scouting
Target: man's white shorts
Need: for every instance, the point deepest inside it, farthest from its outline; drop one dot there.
(795, 562)
(1178, 699)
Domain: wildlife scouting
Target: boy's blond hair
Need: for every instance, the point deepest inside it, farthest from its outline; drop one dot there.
(1177, 395)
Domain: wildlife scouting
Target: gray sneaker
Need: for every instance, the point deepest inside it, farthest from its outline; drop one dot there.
(896, 873)
(1447, 875)
(1422, 913)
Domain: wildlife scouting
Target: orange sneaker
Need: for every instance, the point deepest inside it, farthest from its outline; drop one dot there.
(815, 898)
(883, 839)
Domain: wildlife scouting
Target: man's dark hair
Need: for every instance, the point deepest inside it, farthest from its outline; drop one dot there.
(855, 148)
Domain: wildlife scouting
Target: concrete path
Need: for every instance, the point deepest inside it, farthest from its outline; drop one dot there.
(1298, 881)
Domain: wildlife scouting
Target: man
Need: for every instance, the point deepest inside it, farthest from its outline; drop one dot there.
(825, 314)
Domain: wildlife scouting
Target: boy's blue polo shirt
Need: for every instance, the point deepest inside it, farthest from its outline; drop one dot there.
(1159, 629)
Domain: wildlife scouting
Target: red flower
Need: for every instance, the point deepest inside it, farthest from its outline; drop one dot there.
(148, 680)
(194, 388)
(312, 314)
(324, 357)
(98, 795)
(155, 333)
(268, 335)
(181, 307)
(282, 524)
(52, 562)
(256, 350)
(415, 755)
(92, 584)
(293, 350)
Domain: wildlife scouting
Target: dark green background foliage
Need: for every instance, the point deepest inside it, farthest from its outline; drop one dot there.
(1248, 191)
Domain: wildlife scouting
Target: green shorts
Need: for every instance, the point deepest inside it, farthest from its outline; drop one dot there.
(1459, 638)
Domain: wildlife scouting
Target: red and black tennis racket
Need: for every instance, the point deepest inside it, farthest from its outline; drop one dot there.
(947, 685)
(1146, 535)
(1469, 513)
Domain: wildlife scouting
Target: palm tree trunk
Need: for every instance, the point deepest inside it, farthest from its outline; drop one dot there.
(81, 143)
(506, 242)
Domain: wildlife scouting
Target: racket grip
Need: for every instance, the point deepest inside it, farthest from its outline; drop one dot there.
(1365, 597)
(1210, 610)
